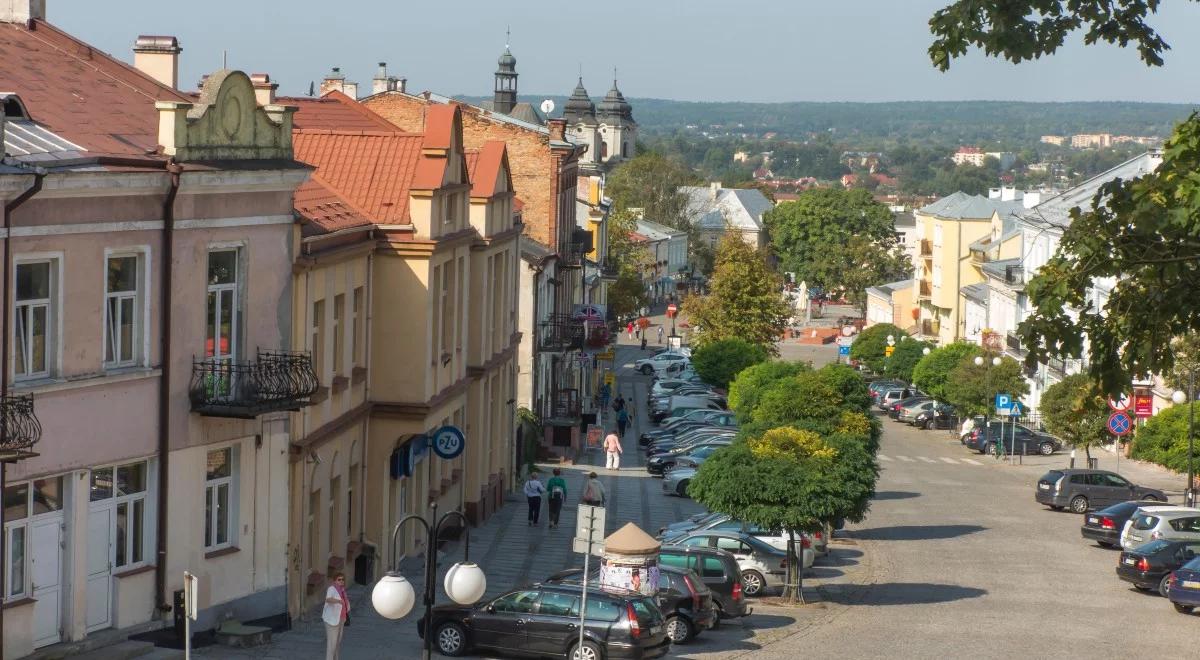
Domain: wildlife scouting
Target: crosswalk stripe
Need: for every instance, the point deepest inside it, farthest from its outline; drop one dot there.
(951, 461)
(905, 459)
(971, 461)
(884, 458)
(927, 460)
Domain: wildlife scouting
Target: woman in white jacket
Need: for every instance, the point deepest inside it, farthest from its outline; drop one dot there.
(337, 610)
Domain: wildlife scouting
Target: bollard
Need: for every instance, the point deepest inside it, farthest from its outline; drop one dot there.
(1072, 459)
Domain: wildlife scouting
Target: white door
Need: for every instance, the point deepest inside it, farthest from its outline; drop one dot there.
(99, 569)
(46, 560)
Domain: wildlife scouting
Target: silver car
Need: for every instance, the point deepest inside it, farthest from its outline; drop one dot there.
(763, 566)
(909, 413)
(676, 480)
(1150, 523)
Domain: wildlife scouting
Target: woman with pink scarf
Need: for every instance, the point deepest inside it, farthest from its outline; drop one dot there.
(337, 610)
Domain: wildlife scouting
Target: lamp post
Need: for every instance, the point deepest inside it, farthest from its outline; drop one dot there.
(1189, 495)
(393, 596)
(979, 362)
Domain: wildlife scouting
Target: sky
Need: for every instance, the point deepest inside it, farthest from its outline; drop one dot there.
(695, 50)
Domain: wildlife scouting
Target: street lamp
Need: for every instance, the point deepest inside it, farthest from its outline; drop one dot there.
(925, 351)
(1179, 397)
(393, 596)
(979, 362)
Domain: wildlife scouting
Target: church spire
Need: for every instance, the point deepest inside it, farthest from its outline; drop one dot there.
(505, 97)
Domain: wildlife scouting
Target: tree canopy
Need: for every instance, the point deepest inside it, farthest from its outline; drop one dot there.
(719, 362)
(870, 345)
(1163, 439)
(932, 371)
(651, 181)
(905, 358)
(750, 383)
(972, 388)
(745, 298)
(628, 293)
(1075, 410)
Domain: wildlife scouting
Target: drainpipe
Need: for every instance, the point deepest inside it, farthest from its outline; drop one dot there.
(34, 189)
(164, 605)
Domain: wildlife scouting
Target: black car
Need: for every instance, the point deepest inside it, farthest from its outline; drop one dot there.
(660, 463)
(940, 417)
(1104, 526)
(543, 620)
(718, 569)
(1008, 436)
(683, 598)
(1149, 566)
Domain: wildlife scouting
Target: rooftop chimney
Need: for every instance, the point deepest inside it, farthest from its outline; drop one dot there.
(380, 84)
(1032, 199)
(558, 129)
(1008, 193)
(264, 89)
(715, 189)
(158, 57)
(22, 11)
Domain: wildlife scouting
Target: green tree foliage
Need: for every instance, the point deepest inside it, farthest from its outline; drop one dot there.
(1075, 410)
(833, 399)
(1164, 439)
(719, 362)
(837, 240)
(908, 353)
(628, 293)
(972, 388)
(932, 371)
(651, 181)
(745, 298)
(747, 388)
(869, 345)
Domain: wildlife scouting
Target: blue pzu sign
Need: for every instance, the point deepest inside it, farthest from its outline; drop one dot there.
(448, 442)
(843, 350)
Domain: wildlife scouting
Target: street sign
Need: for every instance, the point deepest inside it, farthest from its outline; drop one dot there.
(589, 522)
(606, 355)
(843, 349)
(1003, 401)
(610, 378)
(448, 442)
(888, 350)
(674, 342)
(1143, 405)
(1119, 423)
(671, 309)
(845, 341)
(581, 546)
(1119, 404)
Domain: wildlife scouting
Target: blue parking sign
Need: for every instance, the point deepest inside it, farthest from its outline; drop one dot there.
(1003, 402)
(843, 350)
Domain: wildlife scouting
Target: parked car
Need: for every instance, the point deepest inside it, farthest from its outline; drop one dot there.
(1013, 438)
(1183, 587)
(657, 363)
(909, 413)
(693, 420)
(677, 406)
(1105, 526)
(676, 480)
(1084, 490)
(887, 398)
(544, 620)
(898, 407)
(685, 601)
(878, 387)
(694, 455)
(1150, 523)
(941, 416)
(717, 569)
(1149, 565)
(776, 538)
(689, 439)
(762, 565)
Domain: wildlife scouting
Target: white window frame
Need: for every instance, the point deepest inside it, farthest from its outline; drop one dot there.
(53, 315)
(211, 488)
(148, 519)
(23, 524)
(141, 302)
(233, 289)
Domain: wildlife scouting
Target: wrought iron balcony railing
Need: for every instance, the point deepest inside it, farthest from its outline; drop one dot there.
(1013, 342)
(560, 332)
(274, 381)
(20, 428)
(566, 404)
(609, 268)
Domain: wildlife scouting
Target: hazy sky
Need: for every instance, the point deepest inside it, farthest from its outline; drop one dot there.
(748, 50)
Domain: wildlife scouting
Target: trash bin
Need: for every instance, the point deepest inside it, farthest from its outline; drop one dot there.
(364, 566)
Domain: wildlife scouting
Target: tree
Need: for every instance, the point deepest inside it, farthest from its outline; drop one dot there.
(837, 239)
(905, 358)
(748, 386)
(870, 345)
(651, 181)
(719, 362)
(745, 298)
(1144, 231)
(628, 293)
(971, 388)
(1075, 410)
(932, 371)
(1164, 439)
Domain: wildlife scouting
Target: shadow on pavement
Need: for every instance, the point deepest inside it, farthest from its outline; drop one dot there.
(895, 495)
(822, 573)
(903, 593)
(840, 557)
(732, 636)
(914, 532)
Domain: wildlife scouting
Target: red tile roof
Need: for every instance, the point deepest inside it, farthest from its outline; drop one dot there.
(371, 170)
(80, 93)
(439, 125)
(487, 168)
(335, 111)
(323, 211)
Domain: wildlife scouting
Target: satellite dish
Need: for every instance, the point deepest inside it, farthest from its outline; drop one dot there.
(547, 106)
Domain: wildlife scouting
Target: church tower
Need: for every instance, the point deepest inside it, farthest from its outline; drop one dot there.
(580, 114)
(618, 130)
(505, 98)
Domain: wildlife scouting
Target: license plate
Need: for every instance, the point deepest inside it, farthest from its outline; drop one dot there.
(1044, 486)
(1093, 520)
(1190, 584)
(1130, 560)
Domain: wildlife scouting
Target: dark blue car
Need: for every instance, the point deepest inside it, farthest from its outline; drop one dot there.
(1184, 588)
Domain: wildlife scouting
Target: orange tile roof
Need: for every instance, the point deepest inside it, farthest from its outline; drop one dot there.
(323, 211)
(439, 125)
(486, 171)
(371, 170)
(335, 111)
(92, 99)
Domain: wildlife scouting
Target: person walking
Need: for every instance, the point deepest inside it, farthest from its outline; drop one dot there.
(618, 403)
(556, 487)
(593, 491)
(613, 450)
(533, 494)
(622, 420)
(335, 615)
(629, 329)
(660, 334)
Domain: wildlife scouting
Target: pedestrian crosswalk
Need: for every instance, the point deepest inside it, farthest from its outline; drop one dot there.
(884, 458)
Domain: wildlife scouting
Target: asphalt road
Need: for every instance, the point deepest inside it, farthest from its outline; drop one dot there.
(967, 565)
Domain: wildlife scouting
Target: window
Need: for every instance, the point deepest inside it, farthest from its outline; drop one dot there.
(937, 236)
(335, 488)
(356, 340)
(678, 561)
(558, 604)
(518, 601)
(599, 609)
(122, 312)
(1185, 524)
(1113, 481)
(21, 503)
(711, 567)
(732, 545)
(224, 305)
(339, 333)
(33, 320)
(218, 499)
(318, 338)
(695, 541)
(130, 494)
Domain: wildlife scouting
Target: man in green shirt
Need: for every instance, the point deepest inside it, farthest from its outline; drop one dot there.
(557, 488)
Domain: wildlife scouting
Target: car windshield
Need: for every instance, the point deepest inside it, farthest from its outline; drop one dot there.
(1154, 547)
(1193, 565)
(648, 614)
(1144, 521)
(1052, 476)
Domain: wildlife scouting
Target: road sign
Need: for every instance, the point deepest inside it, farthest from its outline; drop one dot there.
(1119, 423)
(888, 350)
(610, 378)
(843, 349)
(448, 442)
(606, 355)
(1003, 401)
(671, 309)
(1120, 403)
(1143, 405)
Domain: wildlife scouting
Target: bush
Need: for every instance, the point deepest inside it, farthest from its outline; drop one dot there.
(931, 371)
(1164, 439)
(748, 386)
(869, 345)
(719, 362)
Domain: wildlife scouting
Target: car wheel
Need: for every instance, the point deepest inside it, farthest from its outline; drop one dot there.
(1164, 585)
(451, 640)
(1151, 498)
(1047, 448)
(1104, 544)
(930, 425)
(1079, 504)
(984, 448)
(647, 370)
(681, 489)
(586, 651)
(1182, 609)
(679, 629)
(752, 583)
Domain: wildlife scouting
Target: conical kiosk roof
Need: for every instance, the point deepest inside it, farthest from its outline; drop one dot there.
(631, 540)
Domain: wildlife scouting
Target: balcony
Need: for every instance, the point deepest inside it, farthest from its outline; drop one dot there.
(19, 427)
(926, 248)
(925, 289)
(565, 404)
(275, 381)
(1013, 343)
(577, 249)
(609, 268)
(560, 332)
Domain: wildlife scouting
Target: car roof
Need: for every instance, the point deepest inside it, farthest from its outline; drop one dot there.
(1168, 509)
(617, 592)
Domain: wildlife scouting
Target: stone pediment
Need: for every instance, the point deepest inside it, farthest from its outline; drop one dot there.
(226, 123)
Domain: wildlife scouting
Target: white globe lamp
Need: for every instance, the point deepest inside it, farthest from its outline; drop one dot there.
(1178, 397)
(995, 362)
(925, 351)
(465, 583)
(393, 596)
(978, 361)
(891, 340)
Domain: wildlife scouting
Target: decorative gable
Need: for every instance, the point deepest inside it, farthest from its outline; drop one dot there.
(226, 123)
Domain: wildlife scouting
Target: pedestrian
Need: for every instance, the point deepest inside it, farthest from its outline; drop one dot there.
(612, 448)
(533, 494)
(619, 403)
(643, 342)
(557, 489)
(336, 616)
(622, 420)
(593, 491)
(605, 395)
(660, 334)
(629, 329)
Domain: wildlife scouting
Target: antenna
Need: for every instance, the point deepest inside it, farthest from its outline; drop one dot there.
(224, 59)
(547, 107)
